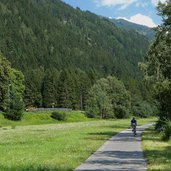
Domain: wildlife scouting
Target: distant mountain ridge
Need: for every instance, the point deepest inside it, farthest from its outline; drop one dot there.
(50, 33)
(144, 30)
(62, 51)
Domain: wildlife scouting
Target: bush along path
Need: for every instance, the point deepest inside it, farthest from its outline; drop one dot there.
(122, 152)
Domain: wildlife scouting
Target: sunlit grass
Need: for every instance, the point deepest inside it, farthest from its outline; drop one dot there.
(55, 146)
(36, 118)
(157, 152)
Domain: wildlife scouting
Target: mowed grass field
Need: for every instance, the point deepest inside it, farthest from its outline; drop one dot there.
(157, 152)
(38, 118)
(55, 146)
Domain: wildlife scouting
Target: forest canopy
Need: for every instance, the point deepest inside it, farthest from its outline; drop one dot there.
(63, 52)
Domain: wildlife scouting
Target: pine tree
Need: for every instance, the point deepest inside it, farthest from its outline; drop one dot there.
(64, 90)
(16, 103)
(4, 83)
(50, 85)
(34, 83)
(11, 91)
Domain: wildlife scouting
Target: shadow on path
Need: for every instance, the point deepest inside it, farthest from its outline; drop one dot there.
(122, 152)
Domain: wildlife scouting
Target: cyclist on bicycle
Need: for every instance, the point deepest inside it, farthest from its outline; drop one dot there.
(133, 124)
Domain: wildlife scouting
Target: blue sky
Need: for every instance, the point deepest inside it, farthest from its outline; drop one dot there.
(138, 11)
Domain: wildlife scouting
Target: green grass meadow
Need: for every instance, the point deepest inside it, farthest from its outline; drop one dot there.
(157, 152)
(38, 118)
(53, 146)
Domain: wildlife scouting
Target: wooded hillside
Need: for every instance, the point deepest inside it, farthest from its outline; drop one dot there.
(59, 48)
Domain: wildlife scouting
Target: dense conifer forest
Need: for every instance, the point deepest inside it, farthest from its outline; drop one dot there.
(63, 51)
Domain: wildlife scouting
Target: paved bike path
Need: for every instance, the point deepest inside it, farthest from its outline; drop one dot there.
(122, 152)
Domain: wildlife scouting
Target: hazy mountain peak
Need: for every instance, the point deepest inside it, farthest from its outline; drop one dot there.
(144, 30)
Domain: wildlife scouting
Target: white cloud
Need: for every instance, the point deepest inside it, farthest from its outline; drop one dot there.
(141, 4)
(124, 3)
(155, 2)
(124, 18)
(140, 19)
(123, 7)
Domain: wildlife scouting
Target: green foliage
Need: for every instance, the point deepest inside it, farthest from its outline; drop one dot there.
(108, 98)
(166, 134)
(16, 108)
(158, 65)
(62, 51)
(119, 96)
(50, 85)
(11, 93)
(16, 104)
(157, 152)
(34, 79)
(72, 90)
(60, 116)
(4, 83)
(164, 98)
(121, 112)
(143, 108)
(99, 104)
(163, 125)
(159, 124)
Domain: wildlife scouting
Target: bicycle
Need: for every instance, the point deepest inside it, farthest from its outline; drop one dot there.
(134, 124)
(134, 129)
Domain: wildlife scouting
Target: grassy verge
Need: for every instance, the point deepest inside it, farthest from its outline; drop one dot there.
(157, 152)
(37, 118)
(55, 147)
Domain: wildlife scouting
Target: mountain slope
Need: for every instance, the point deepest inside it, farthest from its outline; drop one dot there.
(50, 33)
(62, 51)
(144, 30)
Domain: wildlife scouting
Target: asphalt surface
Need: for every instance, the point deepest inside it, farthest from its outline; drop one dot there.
(122, 152)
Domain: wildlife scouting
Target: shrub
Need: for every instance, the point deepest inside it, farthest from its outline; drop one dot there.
(143, 108)
(121, 112)
(13, 115)
(60, 116)
(166, 131)
(90, 115)
(159, 126)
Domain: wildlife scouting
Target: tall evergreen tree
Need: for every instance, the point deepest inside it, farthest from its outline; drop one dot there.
(11, 91)
(83, 84)
(16, 103)
(64, 90)
(50, 85)
(34, 83)
(158, 62)
(4, 83)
